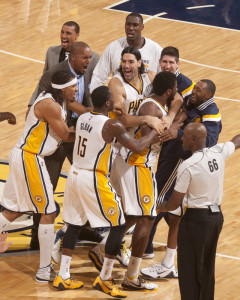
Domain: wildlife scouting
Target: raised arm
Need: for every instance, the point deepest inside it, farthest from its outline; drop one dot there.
(174, 109)
(119, 97)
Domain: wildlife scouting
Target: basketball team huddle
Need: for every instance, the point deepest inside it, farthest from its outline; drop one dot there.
(139, 144)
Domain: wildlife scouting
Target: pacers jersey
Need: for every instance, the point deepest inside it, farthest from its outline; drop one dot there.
(148, 156)
(38, 137)
(90, 151)
(134, 96)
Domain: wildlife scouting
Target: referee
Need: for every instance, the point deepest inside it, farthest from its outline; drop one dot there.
(199, 187)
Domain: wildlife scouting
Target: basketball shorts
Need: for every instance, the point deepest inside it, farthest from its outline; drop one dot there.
(28, 187)
(89, 196)
(138, 190)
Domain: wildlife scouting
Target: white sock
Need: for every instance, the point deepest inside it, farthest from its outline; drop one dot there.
(3, 223)
(133, 267)
(64, 271)
(46, 240)
(168, 260)
(107, 268)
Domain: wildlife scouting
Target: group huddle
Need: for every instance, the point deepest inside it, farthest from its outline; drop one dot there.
(114, 136)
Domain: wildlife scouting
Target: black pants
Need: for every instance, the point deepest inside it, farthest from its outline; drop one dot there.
(198, 235)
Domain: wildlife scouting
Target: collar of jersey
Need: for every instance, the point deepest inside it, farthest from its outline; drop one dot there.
(139, 91)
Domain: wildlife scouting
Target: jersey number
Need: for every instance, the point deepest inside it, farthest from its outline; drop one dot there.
(81, 146)
(213, 165)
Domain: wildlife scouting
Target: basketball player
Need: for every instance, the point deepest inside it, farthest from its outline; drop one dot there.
(28, 187)
(111, 57)
(199, 108)
(89, 195)
(138, 185)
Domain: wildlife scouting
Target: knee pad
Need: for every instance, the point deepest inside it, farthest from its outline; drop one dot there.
(114, 240)
(71, 236)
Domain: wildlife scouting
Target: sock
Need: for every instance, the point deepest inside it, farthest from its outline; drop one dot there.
(64, 271)
(46, 240)
(133, 267)
(168, 260)
(3, 223)
(107, 268)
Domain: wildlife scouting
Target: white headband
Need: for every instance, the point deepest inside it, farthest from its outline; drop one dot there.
(62, 86)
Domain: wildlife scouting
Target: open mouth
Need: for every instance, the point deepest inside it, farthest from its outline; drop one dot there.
(64, 42)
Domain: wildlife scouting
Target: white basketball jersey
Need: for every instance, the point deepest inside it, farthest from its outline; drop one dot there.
(147, 158)
(90, 151)
(134, 96)
(38, 137)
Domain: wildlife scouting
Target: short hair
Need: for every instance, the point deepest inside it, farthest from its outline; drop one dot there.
(163, 81)
(137, 54)
(211, 87)
(100, 95)
(73, 24)
(135, 14)
(74, 48)
(171, 51)
(59, 77)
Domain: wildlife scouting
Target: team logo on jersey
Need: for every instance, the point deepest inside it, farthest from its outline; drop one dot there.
(38, 198)
(111, 211)
(146, 199)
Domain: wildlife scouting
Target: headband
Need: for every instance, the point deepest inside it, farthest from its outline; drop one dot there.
(62, 86)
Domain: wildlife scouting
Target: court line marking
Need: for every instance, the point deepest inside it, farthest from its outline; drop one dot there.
(152, 17)
(20, 56)
(203, 6)
(217, 254)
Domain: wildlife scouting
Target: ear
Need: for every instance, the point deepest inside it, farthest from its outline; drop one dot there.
(139, 63)
(142, 26)
(77, 35)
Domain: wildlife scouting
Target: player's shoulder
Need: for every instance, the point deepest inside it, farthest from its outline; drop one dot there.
(153, 44)
(181, 78)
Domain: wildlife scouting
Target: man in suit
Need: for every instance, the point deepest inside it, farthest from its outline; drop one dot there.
(79, 64)
(55, 54)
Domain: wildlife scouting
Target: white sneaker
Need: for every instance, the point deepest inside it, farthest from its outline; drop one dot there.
(124, 255)
(97, 256)
(138, 284)
(159, 271)
(45, 274)
(57, 250)
(148, 255)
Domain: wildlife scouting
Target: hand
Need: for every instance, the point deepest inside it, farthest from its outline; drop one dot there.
(12, 119)
(3, 245)
(167, 121)
(155, 123)
(171, 133)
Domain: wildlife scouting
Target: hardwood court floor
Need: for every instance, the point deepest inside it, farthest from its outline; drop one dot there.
(28, 28)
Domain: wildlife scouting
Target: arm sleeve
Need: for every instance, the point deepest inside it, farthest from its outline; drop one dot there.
(183, 178)
(102, 70)
(213, 130)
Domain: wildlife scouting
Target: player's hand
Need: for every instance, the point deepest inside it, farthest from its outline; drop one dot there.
(11, 119)
(170, 133)
(155, 123)
(3, 245)
(167, 121)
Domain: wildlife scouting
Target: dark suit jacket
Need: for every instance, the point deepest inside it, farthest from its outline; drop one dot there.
(51, 66)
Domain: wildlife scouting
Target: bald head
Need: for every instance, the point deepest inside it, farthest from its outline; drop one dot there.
(80, 57)
(194, 137)
(75, 47)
